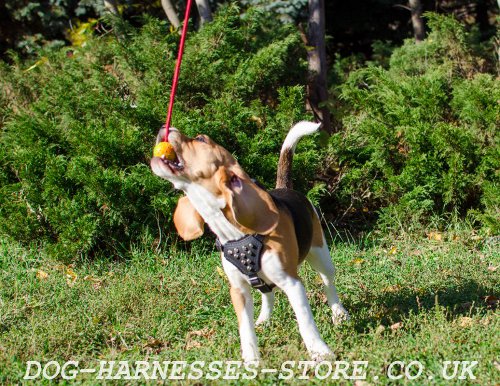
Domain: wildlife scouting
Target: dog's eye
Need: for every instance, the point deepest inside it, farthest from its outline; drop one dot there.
(201, 138)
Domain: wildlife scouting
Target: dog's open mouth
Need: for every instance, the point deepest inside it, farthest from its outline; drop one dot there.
(175, 166)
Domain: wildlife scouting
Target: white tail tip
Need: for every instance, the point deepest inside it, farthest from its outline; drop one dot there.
(299, 130)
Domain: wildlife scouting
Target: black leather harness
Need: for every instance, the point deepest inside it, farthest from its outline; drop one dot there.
(245, 254)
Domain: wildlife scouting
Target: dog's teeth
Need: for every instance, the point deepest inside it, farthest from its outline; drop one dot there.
(163, 157)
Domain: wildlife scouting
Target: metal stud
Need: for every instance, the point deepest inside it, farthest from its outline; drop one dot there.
(230, 252)
(236, 250)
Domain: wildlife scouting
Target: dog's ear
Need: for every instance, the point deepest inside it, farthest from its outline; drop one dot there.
(251, 206)
(187, 220)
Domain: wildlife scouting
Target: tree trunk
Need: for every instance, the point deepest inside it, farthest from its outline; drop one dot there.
(111, 6)
(416, 20)
(204, 11)
(482, 19)
(316, 56)
(171, 13)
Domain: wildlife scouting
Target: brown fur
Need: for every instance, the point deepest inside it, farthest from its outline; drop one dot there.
(238, 301)
(317, 240)
(282, 242)
(284, 173)
(187, 220)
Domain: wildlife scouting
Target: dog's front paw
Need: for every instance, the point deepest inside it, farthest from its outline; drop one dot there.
(250, 356)
(320, 352)
(321, 355)
(340, 314)
(262, 319)
(251, 365)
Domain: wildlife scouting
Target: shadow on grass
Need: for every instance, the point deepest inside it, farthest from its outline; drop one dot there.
(469, 297)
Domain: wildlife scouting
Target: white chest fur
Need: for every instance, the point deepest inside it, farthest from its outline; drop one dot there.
(210, 209)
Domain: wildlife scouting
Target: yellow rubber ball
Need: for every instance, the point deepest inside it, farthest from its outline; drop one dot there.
(164, 149)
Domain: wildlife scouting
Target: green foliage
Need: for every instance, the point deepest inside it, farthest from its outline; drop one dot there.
(34, 24)
(78, 126)
(421, 137)
(286, 11)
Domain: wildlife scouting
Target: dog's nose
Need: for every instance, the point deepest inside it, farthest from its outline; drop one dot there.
(161, 134)
(173, 131)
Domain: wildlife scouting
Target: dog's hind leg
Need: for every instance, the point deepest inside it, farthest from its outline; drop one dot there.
(320, 260)
(267, 307)
(273, 271)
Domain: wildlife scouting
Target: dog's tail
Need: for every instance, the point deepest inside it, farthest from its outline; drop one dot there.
(284, 176)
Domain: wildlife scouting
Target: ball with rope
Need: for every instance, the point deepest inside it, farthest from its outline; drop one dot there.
(164, 149)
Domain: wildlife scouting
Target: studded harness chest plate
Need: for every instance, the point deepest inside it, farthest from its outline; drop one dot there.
(245, 254)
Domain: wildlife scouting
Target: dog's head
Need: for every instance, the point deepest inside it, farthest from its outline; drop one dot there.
(203, 163)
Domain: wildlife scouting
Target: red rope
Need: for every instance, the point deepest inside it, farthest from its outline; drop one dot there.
(177, 70)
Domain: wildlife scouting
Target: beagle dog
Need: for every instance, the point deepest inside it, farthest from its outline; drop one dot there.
(284, 224)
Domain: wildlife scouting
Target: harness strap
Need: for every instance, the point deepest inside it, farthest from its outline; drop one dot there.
(257, 283)
(245, 254)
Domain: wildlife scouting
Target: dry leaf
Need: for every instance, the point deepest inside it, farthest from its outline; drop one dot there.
(221, 273)
(192, 344)
(492, 268)
(380, 329)
(465, 321)
(96, 283)
(497, 365)
(485, 321)
(155, 345)
(203, 333)
(392, 288)
(71, 277)
(257, 120)
(436, 236)
(91, 278)
(40, 62)
(42, 275)
(393, 250)
(396, 326)
(358, 261)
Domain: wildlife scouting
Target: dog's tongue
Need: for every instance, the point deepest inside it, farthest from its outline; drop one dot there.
(164, 150)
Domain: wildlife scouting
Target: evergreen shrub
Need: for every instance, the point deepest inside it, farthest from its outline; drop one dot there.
(420, 139)
(79, 125)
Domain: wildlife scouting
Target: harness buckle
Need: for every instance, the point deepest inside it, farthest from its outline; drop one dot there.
(257, 283)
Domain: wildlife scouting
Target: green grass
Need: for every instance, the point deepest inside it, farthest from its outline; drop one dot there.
(177, 307)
